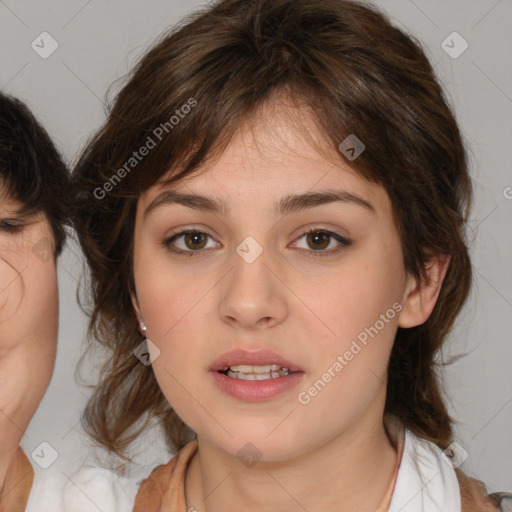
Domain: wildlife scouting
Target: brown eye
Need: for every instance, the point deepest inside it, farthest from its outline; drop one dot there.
(192, 242)
(320, 239)
(317, 240)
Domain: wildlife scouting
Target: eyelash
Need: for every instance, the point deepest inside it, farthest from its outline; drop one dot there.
(311, 254)
(11, 225)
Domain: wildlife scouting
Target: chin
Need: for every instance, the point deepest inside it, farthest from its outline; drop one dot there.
(255, 444)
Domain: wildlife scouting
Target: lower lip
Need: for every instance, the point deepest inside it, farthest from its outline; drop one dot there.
(256, 390)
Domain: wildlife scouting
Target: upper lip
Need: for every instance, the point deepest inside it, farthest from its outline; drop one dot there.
(254, 358)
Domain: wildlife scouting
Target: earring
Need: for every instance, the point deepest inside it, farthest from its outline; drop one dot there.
(142, 326)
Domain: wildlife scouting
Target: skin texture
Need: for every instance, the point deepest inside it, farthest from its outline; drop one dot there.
(28, 325)
(332, 454)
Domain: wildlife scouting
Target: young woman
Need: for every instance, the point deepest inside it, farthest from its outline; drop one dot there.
(33, 212)
(274, 217)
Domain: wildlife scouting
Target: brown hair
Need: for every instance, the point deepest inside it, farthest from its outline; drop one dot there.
(358, 74)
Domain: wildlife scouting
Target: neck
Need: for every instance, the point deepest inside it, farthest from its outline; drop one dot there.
(351, 471)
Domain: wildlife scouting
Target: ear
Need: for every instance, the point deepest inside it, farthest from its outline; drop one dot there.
(420, 298)
(135, 304)
(136, 307)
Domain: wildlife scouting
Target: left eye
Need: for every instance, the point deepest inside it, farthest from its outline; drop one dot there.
(318, 237)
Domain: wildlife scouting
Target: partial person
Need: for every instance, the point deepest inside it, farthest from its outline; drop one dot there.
(34, 211)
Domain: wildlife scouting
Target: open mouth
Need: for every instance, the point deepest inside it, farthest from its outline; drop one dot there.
(260, 372)
(255, 377)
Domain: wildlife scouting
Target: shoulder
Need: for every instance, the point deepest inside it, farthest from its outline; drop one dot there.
(474, 496)
(164, 487)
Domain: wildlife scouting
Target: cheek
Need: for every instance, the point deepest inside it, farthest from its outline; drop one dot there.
(354, 297)
(178, 368)
(359, 311)
(28, 269)
(174, 310)
(350, 367)
(170, 305)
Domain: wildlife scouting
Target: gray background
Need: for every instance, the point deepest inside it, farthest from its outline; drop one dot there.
(100, 41)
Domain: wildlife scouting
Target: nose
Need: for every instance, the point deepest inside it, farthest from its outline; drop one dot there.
(253, 295)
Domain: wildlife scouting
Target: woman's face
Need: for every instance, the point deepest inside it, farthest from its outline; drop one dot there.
(28, 305)
(254, 280)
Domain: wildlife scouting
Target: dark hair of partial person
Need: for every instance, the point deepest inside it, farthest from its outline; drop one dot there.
(356, 73)
(32, 170)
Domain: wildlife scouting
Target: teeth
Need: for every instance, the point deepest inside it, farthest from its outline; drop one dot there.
(247, 368)
(263, 372)
(248, 376)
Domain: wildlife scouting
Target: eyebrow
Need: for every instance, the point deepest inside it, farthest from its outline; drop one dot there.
(286, 205)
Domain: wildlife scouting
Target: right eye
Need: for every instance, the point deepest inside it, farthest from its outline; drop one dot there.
(191, 236)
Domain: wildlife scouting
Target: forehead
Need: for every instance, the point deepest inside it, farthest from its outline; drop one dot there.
(279, 151)
(8, 204)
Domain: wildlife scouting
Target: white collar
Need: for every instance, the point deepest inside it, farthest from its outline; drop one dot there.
(426, 480)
